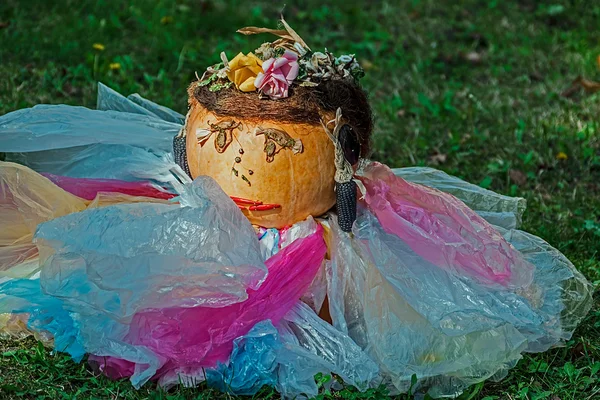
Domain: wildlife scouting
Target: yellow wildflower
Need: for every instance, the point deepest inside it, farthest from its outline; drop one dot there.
(561, 156)
(166, 20)
(98, 46)
(114, 66)
(243, 70)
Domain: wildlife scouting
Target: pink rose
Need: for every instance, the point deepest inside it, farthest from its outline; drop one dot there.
(278, 74)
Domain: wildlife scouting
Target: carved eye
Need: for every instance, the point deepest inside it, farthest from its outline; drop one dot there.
(349, 141)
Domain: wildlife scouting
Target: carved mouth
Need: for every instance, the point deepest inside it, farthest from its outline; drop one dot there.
(253, 205)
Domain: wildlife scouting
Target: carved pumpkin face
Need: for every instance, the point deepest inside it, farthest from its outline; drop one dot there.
(285, 164)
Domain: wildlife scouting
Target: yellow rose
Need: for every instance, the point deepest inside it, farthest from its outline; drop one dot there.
(243, 70)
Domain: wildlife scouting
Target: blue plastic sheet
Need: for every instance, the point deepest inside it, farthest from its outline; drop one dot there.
(46, 314)
(126, 138)
(110, 100)
(123, 258)
(290, 356)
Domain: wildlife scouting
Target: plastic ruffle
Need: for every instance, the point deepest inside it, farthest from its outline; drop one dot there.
(290, 356)
(89, 189)
(126, 138)
(26, 200)
(442, 229)
(177, 337)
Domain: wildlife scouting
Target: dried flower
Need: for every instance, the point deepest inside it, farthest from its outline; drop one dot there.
(265, 51)
(243, 70)
(278, 74)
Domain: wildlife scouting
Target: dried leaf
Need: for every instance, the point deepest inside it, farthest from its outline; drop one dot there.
(253, 30)
(438, 158)
(288, 36)
(309, 84)
(587, 85)
(293, 33)
(473, 57)
(517, 177)
(283, 43)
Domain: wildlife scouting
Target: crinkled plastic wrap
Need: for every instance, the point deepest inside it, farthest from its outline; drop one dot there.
(289, 358)
(128, 163)
(126, 138)
(89, 189)
(496, 208)
(26, 200)
(168, 289)
(47, 315)
(442, 229)
(102, 266)
(49, 127)
(559, 292)
(120, 259)
(273, 240)
(110, 100)
(449, 328)
(201, 336)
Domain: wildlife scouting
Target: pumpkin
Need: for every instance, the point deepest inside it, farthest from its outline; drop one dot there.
(289, 166)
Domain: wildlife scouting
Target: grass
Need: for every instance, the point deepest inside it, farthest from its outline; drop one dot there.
(473, 89)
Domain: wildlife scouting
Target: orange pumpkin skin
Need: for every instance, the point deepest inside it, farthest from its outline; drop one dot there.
(301, 183)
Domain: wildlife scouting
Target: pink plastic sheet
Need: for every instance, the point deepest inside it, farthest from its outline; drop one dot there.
(88, 189)
(442, 229)
(202, 336)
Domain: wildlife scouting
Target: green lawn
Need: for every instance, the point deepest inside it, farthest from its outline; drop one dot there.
(473, 89)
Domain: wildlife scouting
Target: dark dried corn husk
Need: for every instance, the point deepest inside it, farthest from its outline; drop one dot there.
(346, 204)
(179, 152)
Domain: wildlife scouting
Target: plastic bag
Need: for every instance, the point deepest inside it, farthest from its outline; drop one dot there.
(389, 300)
(269, 241)
(442, 229)
(290, 356)
(50, 127)
(559, 292)
(253, 362)
(324, 349)
(496, 208)
(101, 266)
(110, 100)
(47, 314)
(176, 337)
(127, 139)
(122, 258)
(23, 207)
(89, 189)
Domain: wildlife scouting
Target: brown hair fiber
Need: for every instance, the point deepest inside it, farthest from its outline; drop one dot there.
(305, 105)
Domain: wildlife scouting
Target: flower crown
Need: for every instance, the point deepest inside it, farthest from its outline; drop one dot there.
(276, 66)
